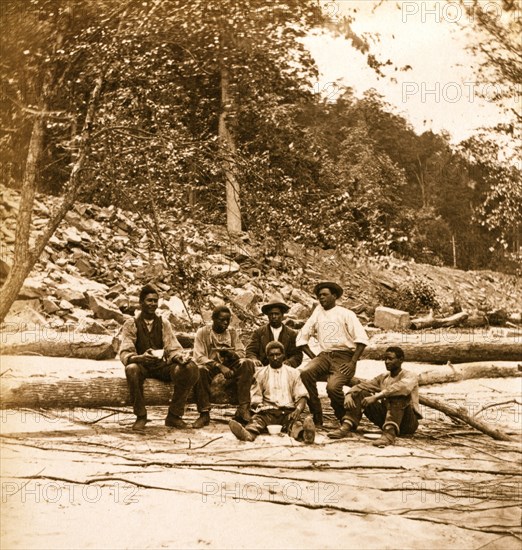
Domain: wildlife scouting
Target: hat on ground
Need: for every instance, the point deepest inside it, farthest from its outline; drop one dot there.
(275, 303)
(334, 287)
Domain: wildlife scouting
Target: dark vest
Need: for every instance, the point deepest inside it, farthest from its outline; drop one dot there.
(146, 339)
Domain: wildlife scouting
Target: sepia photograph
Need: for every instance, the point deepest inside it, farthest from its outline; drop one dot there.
(261, 274)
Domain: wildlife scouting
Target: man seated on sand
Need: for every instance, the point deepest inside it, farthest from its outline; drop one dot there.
(390, 400)
(281, 397)
(149, 349)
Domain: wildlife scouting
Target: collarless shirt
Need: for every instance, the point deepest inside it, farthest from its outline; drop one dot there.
(276, 388)
(335, 329)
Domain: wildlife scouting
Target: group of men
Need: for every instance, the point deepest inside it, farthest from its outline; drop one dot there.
(270, 385)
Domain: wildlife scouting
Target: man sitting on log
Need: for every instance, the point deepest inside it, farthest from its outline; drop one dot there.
(342, 340)
(218, 349)
(281, 396)
(274, 330)
(390, 400)
(149, 349)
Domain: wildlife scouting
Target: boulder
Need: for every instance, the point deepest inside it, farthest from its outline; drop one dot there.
(75, 297)
(33, 287)
(217, 265)
(244, 298)
(388, 318)
(103, 309)
(299, 311)
(72, 235)
(50, 306)
(302, 297)
(65, 305)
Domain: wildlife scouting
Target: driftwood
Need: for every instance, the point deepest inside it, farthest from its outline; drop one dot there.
(92, 384)
(461, 414)
(431, 322)
(438, 347)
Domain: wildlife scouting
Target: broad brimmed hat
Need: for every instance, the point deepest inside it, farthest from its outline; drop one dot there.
(275, 303)
(332, 286)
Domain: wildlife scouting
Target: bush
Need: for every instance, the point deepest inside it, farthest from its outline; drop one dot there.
(415, 295)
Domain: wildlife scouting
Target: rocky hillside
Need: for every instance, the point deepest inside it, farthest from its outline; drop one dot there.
(91, 271)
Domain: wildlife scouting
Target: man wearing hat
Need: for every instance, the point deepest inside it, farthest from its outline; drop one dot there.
(277, 331)
(341, 339)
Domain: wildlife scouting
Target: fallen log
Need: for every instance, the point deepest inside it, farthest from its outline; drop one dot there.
(430, 322)
(65, 383)
(461, 414)
(48, 342)
(454, 347)
(437, 347)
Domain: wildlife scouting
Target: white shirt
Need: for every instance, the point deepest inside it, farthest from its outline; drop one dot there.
(276, 332)
(274, 388)
(337, 328)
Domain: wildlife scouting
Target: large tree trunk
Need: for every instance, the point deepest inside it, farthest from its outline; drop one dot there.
(480, 348)
(26, 257)
(228, 150)
(23, 260)
(505, 349)
(57, 383)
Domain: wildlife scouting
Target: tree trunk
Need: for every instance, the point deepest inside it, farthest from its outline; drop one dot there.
(461, 414)
(505, 349)
(25, 258)
(228, 150)
(429, 322)
(62, 383)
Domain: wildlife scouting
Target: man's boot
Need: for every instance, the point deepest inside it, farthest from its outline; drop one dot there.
(243, 414)
(388, 437)
(318, 418)
(308, 430)
(140, 423)
(344, 431)
(176, 422)
(202, 421)
(240, 432)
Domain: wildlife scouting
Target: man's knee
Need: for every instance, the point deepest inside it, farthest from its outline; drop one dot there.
(188, 373)
(334, 386)
(132, 370)
(246, 367)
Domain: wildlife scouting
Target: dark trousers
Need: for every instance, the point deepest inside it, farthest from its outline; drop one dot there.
(183, 376)
(243, 377)
(326, 367)
(262, 419)
(392, 411)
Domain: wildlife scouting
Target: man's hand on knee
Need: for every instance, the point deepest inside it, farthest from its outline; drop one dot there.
(369, 400)
(349, 403)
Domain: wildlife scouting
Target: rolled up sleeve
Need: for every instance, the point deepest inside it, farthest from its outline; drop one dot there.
(128, 341)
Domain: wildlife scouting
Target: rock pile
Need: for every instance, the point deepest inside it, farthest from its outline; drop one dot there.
(91, 271)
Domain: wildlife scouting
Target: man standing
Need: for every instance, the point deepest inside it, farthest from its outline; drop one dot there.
(342, 340)
(281, 396)
(277, 331)
(390, 400)
(218, 349)
(149, 349)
